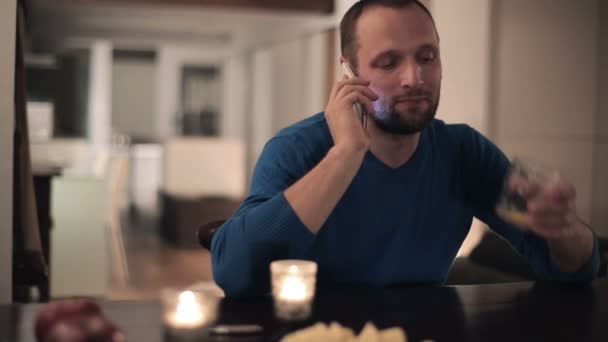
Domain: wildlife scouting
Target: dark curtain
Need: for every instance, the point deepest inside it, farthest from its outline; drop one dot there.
(29, 266)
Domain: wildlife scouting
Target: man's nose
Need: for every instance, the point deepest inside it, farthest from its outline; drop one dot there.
(411, 75)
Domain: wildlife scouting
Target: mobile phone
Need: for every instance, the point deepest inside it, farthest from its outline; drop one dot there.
(236, 329)
(348, 71)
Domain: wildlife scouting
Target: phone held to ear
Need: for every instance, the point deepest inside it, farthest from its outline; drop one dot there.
(348, 71)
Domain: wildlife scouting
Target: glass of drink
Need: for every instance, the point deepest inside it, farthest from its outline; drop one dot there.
(523, 179)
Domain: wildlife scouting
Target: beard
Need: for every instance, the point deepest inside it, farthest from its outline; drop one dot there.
(388, 119)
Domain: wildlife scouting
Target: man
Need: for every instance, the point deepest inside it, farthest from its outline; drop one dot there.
(389, 203)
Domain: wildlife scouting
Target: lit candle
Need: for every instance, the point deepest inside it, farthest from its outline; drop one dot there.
(187, 313)
(293, 288)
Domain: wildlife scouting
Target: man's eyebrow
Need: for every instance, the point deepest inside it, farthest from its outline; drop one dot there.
(386, 53)
(428, 46)
(425, 46)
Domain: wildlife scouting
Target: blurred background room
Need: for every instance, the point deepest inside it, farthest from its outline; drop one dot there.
(146, 117)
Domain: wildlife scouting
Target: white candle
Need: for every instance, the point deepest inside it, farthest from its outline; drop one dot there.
(293, 288)
(188, 313)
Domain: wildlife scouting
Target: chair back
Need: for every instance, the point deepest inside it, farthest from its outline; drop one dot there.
(206, 231)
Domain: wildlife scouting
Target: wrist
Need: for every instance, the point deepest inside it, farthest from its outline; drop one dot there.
(356, 151)
(572, 251)
(347, 156)
(579, 234)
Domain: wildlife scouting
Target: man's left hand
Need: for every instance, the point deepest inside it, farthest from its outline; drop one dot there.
(552, 216)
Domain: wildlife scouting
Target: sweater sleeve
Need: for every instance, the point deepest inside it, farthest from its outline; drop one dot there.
(484, 168)
(264, 228)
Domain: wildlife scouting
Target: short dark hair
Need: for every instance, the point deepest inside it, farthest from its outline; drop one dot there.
(348, 25)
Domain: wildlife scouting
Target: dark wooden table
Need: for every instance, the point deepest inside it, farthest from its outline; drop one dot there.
(501, 312)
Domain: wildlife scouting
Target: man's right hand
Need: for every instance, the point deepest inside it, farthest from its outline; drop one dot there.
(314, 196)
(343, 121)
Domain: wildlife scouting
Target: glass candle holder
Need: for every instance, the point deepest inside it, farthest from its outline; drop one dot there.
(188, 314)
(293, 288)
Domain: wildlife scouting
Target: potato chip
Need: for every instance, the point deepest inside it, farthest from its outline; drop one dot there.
(317, 332)
(369, 333)
(337, 333)
(395, 334)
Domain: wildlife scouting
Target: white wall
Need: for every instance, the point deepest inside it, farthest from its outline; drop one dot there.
(300, 74)
(341, 6)
(7, 69)
(289, 83)
(464, 30)
(133, 94)
(171, 58)
(545, 86)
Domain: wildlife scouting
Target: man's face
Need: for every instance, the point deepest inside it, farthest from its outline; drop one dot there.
(399, 54)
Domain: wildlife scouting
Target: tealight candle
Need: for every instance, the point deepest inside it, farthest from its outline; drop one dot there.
(293, 288)
(187, 313)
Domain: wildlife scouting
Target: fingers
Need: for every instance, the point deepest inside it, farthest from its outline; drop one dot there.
(354, 93)
(348, 89)
(353, 90)
(362, 99)
(553, 230)
(347, 81)
(546, 214)
(557, 191)
(552, 210)
(561, 192)
(336, 88)
(551, 220)
(546, 201)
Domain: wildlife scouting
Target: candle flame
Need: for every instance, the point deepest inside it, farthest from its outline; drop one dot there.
(293, 289)
(188, 310)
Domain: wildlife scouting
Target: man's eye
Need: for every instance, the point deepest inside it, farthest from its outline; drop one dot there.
(387, 63)
(426, 58)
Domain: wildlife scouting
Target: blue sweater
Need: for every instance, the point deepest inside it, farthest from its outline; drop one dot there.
(392, 226)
